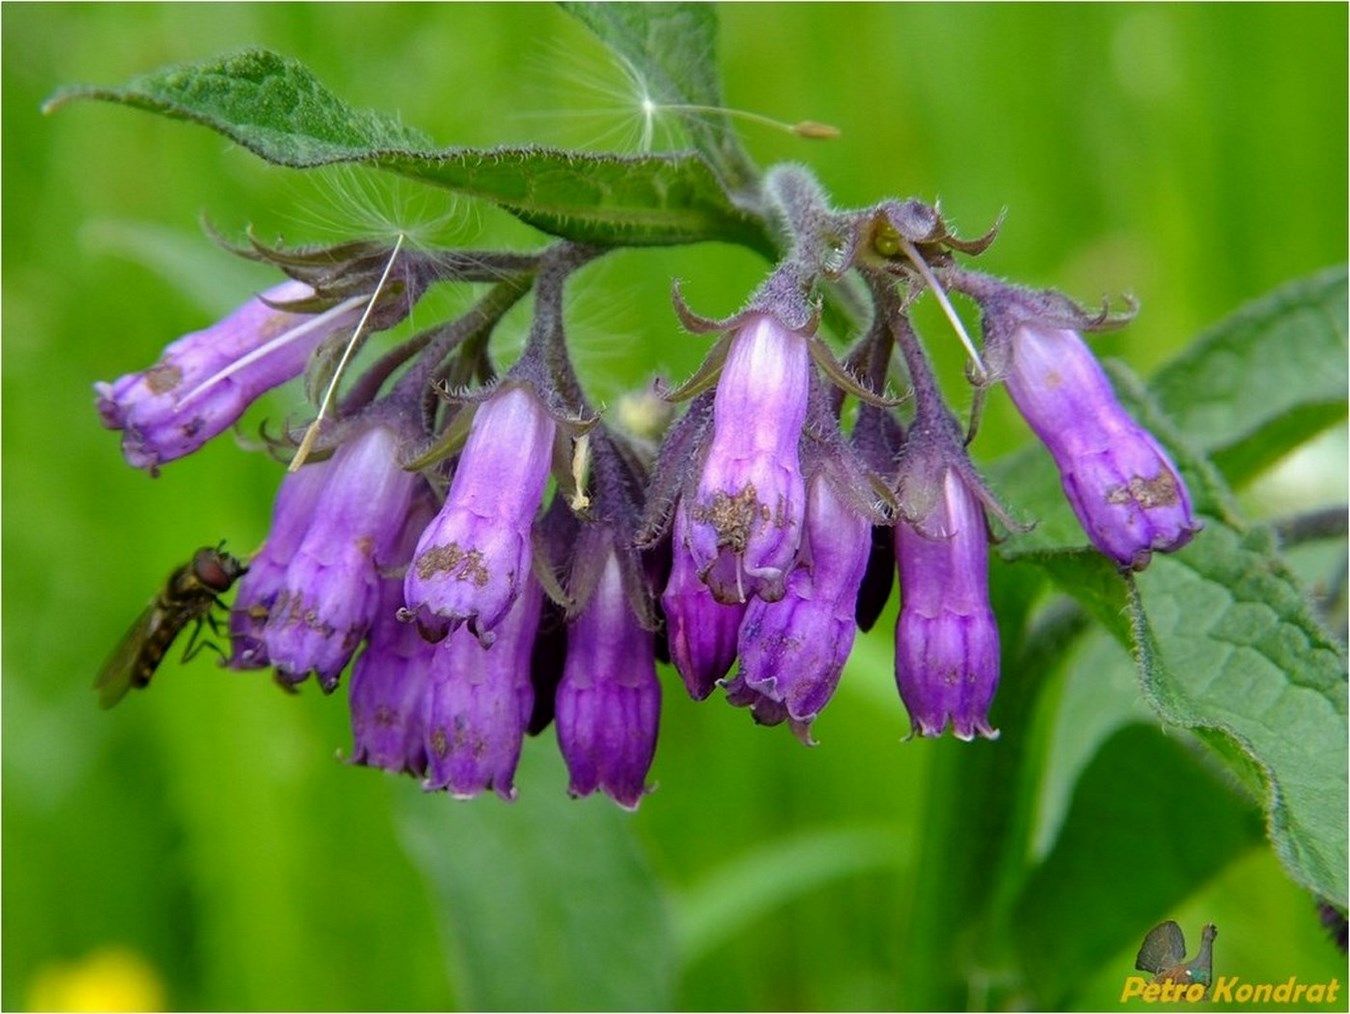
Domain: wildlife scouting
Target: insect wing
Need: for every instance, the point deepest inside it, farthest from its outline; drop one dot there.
(118, 674)
(1163, 948)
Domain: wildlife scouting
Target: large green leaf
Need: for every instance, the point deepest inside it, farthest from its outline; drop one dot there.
(1226, 644)
(547, 903)
(1147, 827)
(277, 109)
(670, 52)
(1263, 380)
(1097, 695)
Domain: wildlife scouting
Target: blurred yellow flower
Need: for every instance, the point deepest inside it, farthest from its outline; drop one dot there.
(110, 979)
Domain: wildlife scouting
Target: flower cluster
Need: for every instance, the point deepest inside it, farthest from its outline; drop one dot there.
(496, 558)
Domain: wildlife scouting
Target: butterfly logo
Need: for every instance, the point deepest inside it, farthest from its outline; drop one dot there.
(1164, 954)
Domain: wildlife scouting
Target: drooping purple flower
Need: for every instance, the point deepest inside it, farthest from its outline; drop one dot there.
(793, 650)
(479, 704)
(764, 709)
(609, 701)
(746, 516)
(296, 503)
(475, 557)
(947, 650)
(701, 631)
(392, 676)
(205, 380)
(330, 592)
(1124, 488)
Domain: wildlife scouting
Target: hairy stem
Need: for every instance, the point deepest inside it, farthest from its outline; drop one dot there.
(548, 338)
(469, 329)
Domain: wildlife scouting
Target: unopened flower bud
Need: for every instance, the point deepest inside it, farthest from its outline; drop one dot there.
(609, 701)
(475, 557)
(1124, 488)
(747, 514)
(205, 380)
(947, 651)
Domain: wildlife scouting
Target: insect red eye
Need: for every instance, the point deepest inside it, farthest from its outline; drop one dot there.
(211, 570)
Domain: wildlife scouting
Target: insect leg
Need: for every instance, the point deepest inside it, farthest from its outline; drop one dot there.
(198, 644)
(195, 643)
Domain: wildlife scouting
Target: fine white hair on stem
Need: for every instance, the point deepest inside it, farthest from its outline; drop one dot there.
(302, 452)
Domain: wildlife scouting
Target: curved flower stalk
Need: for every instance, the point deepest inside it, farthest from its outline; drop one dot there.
(205, 380)
(416, 527)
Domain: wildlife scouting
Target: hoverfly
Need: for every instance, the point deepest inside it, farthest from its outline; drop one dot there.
(191, 592)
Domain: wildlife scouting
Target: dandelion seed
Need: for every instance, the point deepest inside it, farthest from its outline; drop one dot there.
(312, 433)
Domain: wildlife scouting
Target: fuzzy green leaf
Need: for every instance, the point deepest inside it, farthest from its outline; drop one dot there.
(1149, 825)
(277, 109)
(1226, 644)
(1260, 382)
(670, 52)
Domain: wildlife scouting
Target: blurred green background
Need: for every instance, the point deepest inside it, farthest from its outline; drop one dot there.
(202, 847)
